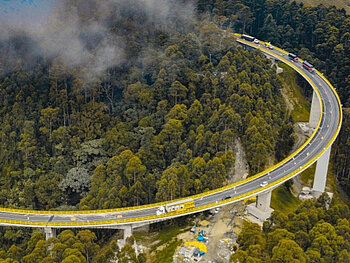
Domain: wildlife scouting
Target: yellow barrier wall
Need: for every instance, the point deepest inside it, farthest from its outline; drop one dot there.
(194, 209)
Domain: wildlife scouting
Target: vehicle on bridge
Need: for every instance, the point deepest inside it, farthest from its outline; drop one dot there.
(308, 66)
(264, 184)
(248, 38)
(226, 197)
(293, 57)
(176, 206)
(268, 45)
(323, 138)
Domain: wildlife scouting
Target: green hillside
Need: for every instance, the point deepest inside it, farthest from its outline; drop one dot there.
(338, 3)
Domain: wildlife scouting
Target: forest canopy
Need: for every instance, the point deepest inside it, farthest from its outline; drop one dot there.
(158, 125)
(126, 103)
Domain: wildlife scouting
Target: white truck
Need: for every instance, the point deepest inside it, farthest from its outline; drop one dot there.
(161, 210)
(178, 205)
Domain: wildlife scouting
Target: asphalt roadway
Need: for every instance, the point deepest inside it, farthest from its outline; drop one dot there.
(325, 134)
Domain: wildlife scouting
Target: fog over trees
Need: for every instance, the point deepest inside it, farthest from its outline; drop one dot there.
(119, 103)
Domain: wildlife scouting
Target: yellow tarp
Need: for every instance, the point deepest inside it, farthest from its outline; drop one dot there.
(226, 240)
(204, 223)
(201, 246)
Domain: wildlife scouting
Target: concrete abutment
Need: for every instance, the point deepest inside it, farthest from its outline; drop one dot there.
(261, 208)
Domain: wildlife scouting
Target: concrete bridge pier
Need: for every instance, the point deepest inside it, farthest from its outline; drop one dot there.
(49, 232)
(320, 178)
(127, 231)
(261, 208)
(315, 111)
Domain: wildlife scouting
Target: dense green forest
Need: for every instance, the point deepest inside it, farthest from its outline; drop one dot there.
(141, 132)
(68, 247)
(316, 232)
(319, 34)
(162, 122)
(341, 154)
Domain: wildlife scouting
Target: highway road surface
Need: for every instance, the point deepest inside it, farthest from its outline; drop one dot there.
(322, 138)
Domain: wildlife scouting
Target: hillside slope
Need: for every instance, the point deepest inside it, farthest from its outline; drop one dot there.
(338, 3)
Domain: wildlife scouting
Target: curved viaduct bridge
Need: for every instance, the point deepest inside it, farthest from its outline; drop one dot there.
(325, 120)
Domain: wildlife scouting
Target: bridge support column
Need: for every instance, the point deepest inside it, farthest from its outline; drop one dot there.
(261, 209)
(49, 232)
(127, 231)
(315, 111)
(321, 173)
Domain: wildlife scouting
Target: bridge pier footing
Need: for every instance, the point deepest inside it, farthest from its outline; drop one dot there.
(261, 208)
(49, 232)
(320, 178)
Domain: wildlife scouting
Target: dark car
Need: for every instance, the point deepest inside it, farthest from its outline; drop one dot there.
(226, 197)
(293, 57)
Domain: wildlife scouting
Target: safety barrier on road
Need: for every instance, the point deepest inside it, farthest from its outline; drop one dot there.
(195, 209)
(175, 213)
(340, 108)
(128, 220)
(320, 100)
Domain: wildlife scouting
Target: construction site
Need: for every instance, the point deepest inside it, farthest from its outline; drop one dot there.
(213, 236)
